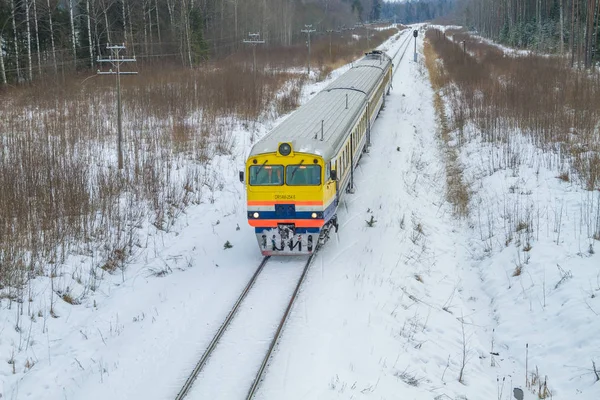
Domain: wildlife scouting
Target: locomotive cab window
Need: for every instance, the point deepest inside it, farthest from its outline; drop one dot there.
(303, 175)
(266, 175)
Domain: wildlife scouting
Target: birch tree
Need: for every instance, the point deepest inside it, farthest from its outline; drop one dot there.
(106, 24)
(4, 18)
(2, 69)
(89, 29)
(29, 63)
(73, 39)
(16, 40)
(52, 37)
(157, 23)
(37, 37)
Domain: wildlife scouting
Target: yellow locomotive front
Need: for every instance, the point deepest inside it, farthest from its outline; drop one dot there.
(287, 200)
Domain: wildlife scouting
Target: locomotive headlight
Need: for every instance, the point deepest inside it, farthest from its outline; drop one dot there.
(255, 215)
(285, 149)
(314, 215)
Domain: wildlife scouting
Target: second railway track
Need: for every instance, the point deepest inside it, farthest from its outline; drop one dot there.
(235, 359)
(404, 46)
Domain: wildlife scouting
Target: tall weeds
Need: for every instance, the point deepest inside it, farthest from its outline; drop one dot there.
(556, 106)
(457, 190)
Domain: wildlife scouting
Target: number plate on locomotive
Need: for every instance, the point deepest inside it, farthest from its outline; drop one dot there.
(285, 197)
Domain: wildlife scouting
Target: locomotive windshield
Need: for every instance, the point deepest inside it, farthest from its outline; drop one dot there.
(303, 175)
(266, 175)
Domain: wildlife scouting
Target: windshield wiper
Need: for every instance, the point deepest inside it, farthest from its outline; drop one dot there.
(259, 168)
(296, 169)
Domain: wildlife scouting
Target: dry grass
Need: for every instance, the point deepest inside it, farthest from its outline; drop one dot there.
(518, 270)
(539, 386)
(457, 190)
(62, 193)
(557, 107)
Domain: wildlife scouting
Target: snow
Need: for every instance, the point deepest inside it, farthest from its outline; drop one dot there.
(248, 338)
(386, 312)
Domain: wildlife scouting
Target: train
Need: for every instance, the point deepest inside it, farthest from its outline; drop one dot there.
(297, 174)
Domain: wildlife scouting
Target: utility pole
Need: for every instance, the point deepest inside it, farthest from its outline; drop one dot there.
(115, 59)
(330, 31)
(368, 39)
(308, 31)
(254, 40)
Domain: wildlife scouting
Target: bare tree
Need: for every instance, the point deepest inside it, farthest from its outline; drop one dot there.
(29, 63)
(185, 16)
(590, 31)
(52, 37)
(562, 29)
(16, 41)
(157, 23)
(131, 29)
(37, 37)
(72, 20)
(2, 69)
(89, 29)
(105, 11)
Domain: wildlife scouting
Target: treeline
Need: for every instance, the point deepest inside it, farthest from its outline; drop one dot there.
(546, 25)
(417, 11)
(39, 37)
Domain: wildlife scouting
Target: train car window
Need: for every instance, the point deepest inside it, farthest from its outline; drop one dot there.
(303, 175)
(266, 175)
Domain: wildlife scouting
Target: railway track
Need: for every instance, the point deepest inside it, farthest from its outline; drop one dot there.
(404, 46)
(212, 347)
(189, 388)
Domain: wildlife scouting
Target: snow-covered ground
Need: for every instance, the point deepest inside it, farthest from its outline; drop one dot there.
(397, 310)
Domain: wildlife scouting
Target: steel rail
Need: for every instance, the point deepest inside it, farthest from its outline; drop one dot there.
(265, 362)
(190, 380)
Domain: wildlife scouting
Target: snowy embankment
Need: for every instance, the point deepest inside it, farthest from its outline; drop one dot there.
(533, 263)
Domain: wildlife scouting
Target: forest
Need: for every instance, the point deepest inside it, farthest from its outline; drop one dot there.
(408, 12)
(40, 37)
(54, 36)
(553, 26)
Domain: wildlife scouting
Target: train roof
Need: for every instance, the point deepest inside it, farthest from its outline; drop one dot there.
(319, 126)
